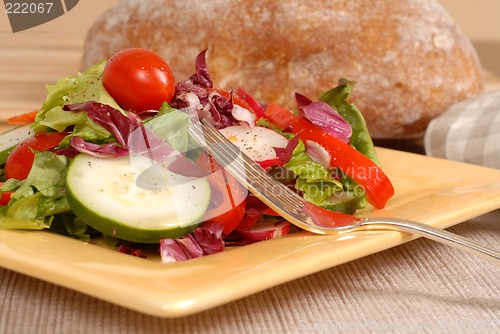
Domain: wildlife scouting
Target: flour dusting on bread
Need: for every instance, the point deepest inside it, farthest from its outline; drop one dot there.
(409, 58)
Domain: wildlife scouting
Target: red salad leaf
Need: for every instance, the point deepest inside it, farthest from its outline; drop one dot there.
(209, 237)
(110, 150)
(285, 153)
(204, 240)
(253, 203)
(146, 143)
(221, 108)
(197, 93)
(113, 120)
(325, 117)
(172, 251)
(131, 251)
(202, 77)
(191, 248)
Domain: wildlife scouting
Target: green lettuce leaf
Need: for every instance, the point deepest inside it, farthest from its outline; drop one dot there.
(316, 182)
(338, 98)
(70, 225)
(172, 127)
(82, 87)
(23, 215)
(47, 176)
(38, 198)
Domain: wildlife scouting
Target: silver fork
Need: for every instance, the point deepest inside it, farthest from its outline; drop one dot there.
(310, 217)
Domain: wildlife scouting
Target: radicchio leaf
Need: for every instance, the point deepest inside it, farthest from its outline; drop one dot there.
(202, 77)
(285, 153)
(144, 142)
(110, 150)
(204, 240)
(209, 237)
(131, 251)
(254, 205)
(197, 93)
(322, 115)
(113, 120)
(220, 105)
(191, 248)
(172, 251)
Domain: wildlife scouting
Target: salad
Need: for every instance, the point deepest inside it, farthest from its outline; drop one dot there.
(109, 155)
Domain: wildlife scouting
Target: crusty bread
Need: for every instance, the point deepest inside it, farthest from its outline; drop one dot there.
(409, 58)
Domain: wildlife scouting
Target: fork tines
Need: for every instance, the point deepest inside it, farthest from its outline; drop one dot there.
(247, 171)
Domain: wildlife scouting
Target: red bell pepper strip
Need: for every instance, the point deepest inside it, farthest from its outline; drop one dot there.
(256, 107)
(361, 169)
(5, 196)
(23, 119)
(265, 164)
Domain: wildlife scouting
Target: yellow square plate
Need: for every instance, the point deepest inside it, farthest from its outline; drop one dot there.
(433, 191)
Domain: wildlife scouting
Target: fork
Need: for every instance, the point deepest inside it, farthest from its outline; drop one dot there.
(306, 215)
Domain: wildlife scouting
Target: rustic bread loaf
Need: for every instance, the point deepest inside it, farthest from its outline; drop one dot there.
(409, 58)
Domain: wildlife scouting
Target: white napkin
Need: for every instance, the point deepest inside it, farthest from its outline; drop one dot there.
(468, 131)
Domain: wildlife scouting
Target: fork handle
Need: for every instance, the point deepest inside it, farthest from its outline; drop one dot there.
(433, 233)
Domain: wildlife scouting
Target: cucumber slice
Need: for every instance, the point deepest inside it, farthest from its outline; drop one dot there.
(129, 198)
(10, 139)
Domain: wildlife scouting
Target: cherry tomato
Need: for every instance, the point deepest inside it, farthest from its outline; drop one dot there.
(20, 160)
(228, 195)
(138, 79)
(230, 219)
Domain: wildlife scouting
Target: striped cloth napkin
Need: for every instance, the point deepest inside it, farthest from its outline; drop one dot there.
(468, 131)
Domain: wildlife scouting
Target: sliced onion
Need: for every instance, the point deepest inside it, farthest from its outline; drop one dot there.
(318, 153)
(243, 115)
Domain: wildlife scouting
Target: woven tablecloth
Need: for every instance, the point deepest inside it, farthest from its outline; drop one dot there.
(418, 287)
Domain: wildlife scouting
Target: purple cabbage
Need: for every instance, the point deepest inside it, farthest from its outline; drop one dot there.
(322, 115)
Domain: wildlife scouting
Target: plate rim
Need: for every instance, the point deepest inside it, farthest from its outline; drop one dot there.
(74, 274)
